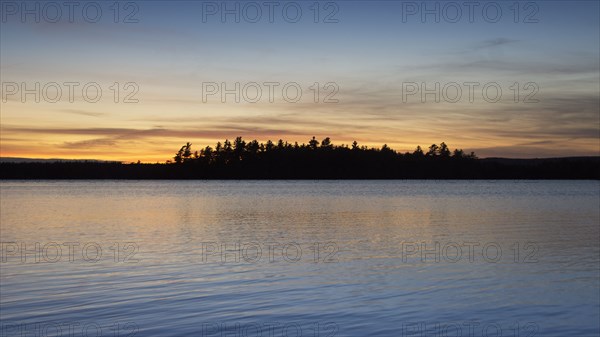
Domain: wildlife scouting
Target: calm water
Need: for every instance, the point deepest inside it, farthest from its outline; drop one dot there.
(393, 258)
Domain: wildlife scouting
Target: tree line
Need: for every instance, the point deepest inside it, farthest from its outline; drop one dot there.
(241, 159)
(240, 150)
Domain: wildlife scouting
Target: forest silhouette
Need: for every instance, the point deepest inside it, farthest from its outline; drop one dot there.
(229, 153)
(241, 159)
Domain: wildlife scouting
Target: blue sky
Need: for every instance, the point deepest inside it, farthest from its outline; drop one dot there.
(370, 54)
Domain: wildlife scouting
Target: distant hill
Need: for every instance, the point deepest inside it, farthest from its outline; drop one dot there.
(314, 167)
(536, 161)
(50, 160)
(500, 160)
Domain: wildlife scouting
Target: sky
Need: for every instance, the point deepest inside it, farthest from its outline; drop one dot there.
(134, 80)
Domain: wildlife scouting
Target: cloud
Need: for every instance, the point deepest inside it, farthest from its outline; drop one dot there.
(84, 113)
(517, 151)
(494, 43)
(225, 130)
(91, 143)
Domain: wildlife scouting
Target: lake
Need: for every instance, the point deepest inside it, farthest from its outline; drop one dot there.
(300, 258)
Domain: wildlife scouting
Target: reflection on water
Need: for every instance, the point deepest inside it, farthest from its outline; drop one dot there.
(287, 258)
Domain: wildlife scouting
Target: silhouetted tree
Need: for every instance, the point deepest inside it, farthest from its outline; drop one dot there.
(227, 146)
(313, 143)
(253, 147)
(179, 155)
(326, 143)
(207, 154)
(386, 149)
(239, 147)
(443, 150)
(187, 151)
(433, 150)
(418, 152)
(458, 153)
(270, 146)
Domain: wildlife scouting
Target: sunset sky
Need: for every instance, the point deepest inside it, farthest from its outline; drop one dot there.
(372, 53)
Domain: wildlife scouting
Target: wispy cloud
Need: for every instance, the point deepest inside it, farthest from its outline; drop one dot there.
(494, 43)
(84, 113)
